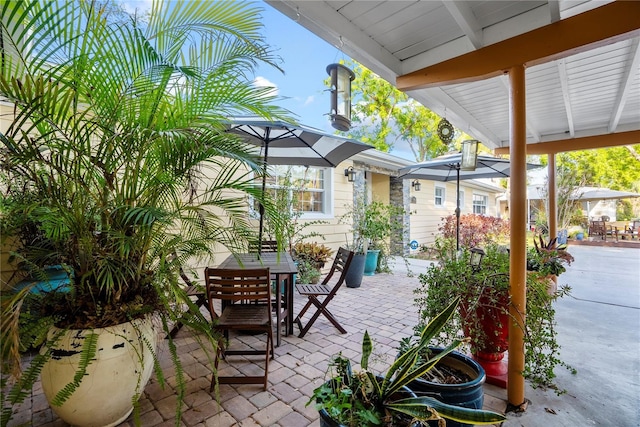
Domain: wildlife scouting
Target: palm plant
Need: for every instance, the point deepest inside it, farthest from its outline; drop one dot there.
(116, 134)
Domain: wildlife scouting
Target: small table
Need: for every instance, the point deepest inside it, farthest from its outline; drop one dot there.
(280, 265)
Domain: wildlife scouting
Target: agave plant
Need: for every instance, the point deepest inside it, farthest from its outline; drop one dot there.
(364, 399)
(115, 131)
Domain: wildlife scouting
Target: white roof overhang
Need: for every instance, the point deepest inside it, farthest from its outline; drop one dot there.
(581, 57)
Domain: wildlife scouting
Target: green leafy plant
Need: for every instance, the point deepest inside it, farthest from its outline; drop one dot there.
(548, 257)
(454, 276)
(362, 398)
(116, 131)
(307, 272)
(315, 253)
(372, 225)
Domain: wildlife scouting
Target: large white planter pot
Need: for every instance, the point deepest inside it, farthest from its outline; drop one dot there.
(120, 371)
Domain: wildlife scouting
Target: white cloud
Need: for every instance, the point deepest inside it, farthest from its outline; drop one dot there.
(139, 6)
(310, 99)
(262, 82)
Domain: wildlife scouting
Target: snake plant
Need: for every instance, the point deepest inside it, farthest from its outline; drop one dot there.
(362, 398)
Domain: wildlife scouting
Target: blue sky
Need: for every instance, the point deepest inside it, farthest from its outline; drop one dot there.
(305, 58)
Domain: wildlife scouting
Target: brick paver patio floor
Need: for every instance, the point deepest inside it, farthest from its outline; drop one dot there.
(383, 305)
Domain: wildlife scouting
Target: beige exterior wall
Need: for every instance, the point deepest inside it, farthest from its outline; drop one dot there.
(379, 188)
(426, 217)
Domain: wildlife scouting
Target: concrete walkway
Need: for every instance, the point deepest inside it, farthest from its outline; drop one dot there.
(598, 328)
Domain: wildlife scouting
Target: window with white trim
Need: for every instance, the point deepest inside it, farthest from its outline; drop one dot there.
(480, 203)
(310, 186)
(439, 196)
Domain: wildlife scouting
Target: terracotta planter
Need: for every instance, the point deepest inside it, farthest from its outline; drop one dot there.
(122, 366)
(551, 281)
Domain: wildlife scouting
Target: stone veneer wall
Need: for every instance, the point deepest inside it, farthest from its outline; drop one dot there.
(399, 195)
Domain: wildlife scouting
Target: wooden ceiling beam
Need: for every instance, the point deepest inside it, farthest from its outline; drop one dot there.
(583, 143)
(606, 24)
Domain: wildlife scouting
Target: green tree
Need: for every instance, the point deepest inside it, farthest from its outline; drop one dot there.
(382, 115)
(617, 168)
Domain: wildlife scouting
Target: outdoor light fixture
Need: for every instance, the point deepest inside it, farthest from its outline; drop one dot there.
(416, 185)
(469, 155)
(476, 258)
(350, 173)
(341, 78)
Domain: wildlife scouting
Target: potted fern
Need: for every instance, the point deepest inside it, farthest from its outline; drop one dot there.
(117, 138)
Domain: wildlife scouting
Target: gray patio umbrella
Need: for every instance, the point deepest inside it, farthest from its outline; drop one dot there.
(589, 194)
(447, 168)
(595, 193)
(283, 143)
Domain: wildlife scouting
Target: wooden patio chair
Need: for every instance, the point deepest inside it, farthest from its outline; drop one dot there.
(326, 291)
(245, 305)
(265, 246)
(598, 228)
(634, 230)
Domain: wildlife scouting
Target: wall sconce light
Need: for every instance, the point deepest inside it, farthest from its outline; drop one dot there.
(416, 185)
(476, 258)
(350, 173)
(469, 155)
(341, 78)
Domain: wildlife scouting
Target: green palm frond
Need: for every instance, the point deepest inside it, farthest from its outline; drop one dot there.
(118, 133)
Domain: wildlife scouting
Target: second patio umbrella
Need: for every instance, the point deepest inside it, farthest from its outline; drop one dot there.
(285, 143)
(447, 168)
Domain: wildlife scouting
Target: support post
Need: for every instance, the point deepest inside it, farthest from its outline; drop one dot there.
(518, 221)
(552, 211)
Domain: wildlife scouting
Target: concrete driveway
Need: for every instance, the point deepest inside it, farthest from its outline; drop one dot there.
(598, 328)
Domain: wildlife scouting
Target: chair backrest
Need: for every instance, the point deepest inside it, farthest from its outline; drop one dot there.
(597, 227)
(231, 286)
(340, 265)
(265, 246)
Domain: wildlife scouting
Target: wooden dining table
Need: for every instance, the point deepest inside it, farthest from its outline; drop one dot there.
(282, 269)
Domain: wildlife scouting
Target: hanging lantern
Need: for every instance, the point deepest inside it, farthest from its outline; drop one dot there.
(341, 78)
(469, 155)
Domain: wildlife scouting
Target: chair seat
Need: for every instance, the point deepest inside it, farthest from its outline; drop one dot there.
(243, 316)
(319, 295)
(318, 289)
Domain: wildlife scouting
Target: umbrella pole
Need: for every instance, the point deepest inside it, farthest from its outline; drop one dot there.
(264, 188)
(458, 209)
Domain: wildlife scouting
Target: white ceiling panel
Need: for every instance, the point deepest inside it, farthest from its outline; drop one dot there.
(593, 92)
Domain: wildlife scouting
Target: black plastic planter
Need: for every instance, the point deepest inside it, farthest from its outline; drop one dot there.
(353, 278)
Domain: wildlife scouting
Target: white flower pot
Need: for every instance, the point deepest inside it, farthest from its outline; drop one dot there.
(120, 371)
